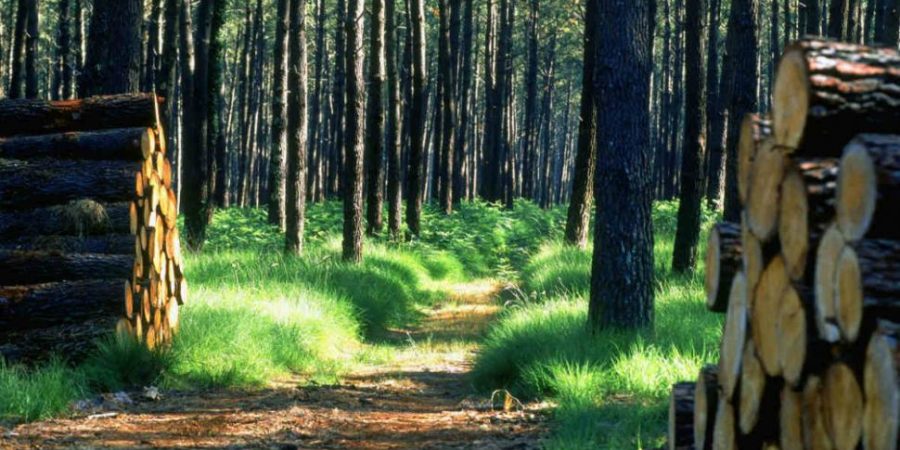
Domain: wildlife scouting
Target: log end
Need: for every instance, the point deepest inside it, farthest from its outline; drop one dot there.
(753, 383)
(848, 295)
(827, 255)
(843, 407)
(763, 197)
(793, 223)
(792, 333)
(857, 192)
(790, 99)
(734, 336)
(882, 388)
(764, 314)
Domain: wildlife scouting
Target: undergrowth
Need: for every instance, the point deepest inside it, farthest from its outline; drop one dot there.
(611, 388)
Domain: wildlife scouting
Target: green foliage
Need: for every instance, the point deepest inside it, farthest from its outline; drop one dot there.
(611, 387)
(35, 394)
(120, 362)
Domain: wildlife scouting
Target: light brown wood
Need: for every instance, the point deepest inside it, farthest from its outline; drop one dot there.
(794, 334)
(754, 129)
(827, 255)
(725, 434)
(790, 417)
(868, 190)
(843, 406)
(753, 385)
(807, 206)
(867, 281)
(815, 428)
(764, 314)
(734, 337)
(763, 195)
(882, 389)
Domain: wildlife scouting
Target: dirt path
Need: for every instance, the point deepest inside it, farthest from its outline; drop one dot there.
(418, 398)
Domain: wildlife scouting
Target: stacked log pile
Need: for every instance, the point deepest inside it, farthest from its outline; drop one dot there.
(88, 237)
(810, 279)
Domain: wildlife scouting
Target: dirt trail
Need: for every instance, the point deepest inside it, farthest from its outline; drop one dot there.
(419, 399)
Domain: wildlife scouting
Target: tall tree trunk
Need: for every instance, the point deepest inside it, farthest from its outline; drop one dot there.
(837, 19)
(354, 131)
(151, 60)
(892, 24)
(465, 92)
(813, 18)
(392, 127)
(215, 139)
(715, 111)
(113, 62)
(62, 78)
(279, 115)
(295, 210)
(579, 215)
(338, 92)
(529, 143)
(417, 111)
(18, 47)
(688, 232)
(31, 49)
(448, 106)
(622, 275)
(375, 123)
(317, 120)
(745, 50)
(78, 50)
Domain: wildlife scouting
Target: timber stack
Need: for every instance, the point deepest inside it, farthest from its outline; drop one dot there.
(809, 281)
(88, 236)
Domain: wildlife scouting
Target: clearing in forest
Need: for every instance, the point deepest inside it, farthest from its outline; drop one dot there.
(411, 392)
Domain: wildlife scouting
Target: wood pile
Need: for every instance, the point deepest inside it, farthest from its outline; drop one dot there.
(810, 279)
(88, 236)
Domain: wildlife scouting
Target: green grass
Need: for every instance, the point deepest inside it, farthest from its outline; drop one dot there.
(611, 389)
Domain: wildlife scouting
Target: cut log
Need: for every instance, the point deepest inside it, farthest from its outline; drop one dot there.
(867, 279)
(117, 144)
(44, 267)
(734, 337)
(881, 381)
(825, 93)
(111, 244)
(80, 217)
(681, 417)
(764, 314)
(752, 256)
(51, 304)
(800, 351)
(723, 260)
(807, 207)
(73, 340)
(763, 196)
(827, 255)
(27, 184)
(754, 129)
(753, 385)
(815, 427)
(868, 191)
(843, 401)
(725, 434)
(790, 417)
(24, 117)
(706, 400)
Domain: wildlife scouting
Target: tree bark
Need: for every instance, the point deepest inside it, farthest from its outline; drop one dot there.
(31, 49)
(66, 302)
(113, 63)
(18, 47)
(29, 117)
(115, 144)
(105, 244)
(25, 267)
(622, 187)
(62, 79)
(687, 235)
(392, 127)
(276, 211)
(295, 211)
(417, 111)
(715, 111)
(374, 151)
(354, 131)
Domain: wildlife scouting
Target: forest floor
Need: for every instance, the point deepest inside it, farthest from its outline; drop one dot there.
(411, 392)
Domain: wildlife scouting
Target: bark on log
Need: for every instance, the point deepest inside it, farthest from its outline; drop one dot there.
(80, 218)
(881, 382)
(843, 401)
(18, 268)
(51, 304)
(734, 337)
(868, 191)
(827, 255)
(807, 206)
(764, 314)
(723, 260)
(706, 400)
(71, 340)
(117, 144)
(23, 117)
(763, 195)
(867, 284)
(27, 184)
(826, 93)
(754, 130)
(111, 244)
(681, 417)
